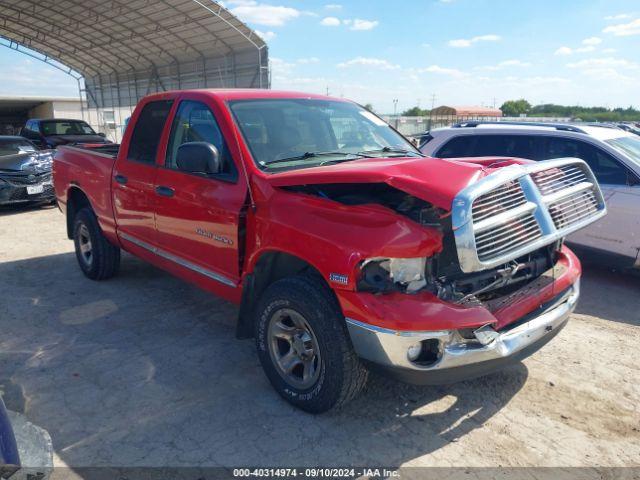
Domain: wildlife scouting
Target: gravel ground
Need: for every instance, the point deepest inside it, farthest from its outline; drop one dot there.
(144, 370)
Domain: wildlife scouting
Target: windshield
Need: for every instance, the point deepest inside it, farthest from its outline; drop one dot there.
(14, 146)
(302, 133)
(66, 127)
(629, 146)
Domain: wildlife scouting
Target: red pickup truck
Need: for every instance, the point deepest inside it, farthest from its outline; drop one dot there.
(345, 248)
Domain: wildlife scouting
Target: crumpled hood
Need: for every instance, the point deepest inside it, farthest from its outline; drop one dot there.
(434, 180)
(31, 162)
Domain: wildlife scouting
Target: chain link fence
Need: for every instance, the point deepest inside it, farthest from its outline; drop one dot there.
(413, 126)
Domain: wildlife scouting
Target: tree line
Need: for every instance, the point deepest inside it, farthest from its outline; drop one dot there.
(516, 108)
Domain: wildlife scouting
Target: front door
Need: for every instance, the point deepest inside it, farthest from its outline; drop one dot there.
(621, 232)
(617, 231)
(134, 176)
(198, 215)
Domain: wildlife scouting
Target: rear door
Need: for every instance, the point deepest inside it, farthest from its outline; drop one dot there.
(198, 215)
(134, 175)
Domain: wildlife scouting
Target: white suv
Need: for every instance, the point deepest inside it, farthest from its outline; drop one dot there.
(612, 154)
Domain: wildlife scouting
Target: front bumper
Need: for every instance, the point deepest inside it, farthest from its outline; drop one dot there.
(461, 358)
(13, 193)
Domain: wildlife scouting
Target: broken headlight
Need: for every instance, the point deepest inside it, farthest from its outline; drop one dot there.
(392, 274)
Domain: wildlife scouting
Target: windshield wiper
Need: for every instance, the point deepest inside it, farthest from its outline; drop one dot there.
(393, 150)
(306, 155)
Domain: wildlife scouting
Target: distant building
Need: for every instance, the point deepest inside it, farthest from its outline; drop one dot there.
(466, 111)
(15, 110)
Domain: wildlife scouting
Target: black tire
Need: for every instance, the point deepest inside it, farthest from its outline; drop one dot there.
(104, 259)
(340, 373)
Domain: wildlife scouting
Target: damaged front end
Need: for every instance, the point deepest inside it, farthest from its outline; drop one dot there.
(501, 285)
(439, 274)
(26, 177)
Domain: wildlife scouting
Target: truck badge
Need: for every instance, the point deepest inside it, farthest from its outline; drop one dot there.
(339, 278)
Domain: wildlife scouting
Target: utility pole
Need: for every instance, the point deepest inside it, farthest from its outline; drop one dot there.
(395, 111)
(433, 105)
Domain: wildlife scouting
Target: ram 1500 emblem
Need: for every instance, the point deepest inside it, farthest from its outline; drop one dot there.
(214, 236)
(339, 278)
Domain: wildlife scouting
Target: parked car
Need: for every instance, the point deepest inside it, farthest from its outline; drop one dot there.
(345, 247)
(612, 154)
(25, 172)
(53, 132)
(629, 127)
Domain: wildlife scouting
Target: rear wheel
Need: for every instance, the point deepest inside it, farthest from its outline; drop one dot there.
(304, 346)
(98, 259)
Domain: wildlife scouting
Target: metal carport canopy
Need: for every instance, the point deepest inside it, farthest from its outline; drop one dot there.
(125, 49)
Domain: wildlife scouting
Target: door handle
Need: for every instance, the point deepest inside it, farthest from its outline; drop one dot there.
(121, 179)
(165, 191)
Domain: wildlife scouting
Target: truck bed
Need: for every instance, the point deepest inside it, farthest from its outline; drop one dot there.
(110, 149)
(87, 168)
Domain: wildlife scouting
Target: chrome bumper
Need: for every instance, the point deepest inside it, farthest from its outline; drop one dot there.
(389, 348)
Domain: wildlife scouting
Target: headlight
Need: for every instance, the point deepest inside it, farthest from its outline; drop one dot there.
(407, 270)
(388, 274)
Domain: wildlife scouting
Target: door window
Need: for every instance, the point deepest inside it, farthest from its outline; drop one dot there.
(522, 146)
(606, 168)
(194, 122)
(148, 130)
(28, 130)
(456, 147)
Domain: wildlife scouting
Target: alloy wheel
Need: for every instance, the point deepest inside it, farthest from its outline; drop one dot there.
(294, 349)
(84, 243)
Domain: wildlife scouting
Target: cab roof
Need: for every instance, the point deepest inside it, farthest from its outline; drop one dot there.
(249, 94)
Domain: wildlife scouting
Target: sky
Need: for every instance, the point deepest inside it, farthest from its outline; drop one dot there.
(424, 52)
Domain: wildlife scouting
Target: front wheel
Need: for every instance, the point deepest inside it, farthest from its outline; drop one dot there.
(304, 346)
(98, 259)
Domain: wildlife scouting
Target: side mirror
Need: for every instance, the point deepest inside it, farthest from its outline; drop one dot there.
(102, 134)
(198, 157)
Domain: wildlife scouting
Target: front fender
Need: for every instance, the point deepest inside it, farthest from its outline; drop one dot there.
(335, 238)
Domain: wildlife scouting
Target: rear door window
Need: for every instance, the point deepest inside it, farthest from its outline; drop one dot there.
(145, 139)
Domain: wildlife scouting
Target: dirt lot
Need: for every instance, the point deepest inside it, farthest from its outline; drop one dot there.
(144, 370)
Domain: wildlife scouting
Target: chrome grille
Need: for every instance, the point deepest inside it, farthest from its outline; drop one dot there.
(521, 208)
(580, 201)
(573, 209)
(499, 200)
(555, 179)
(507, 237)
(18, 179)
